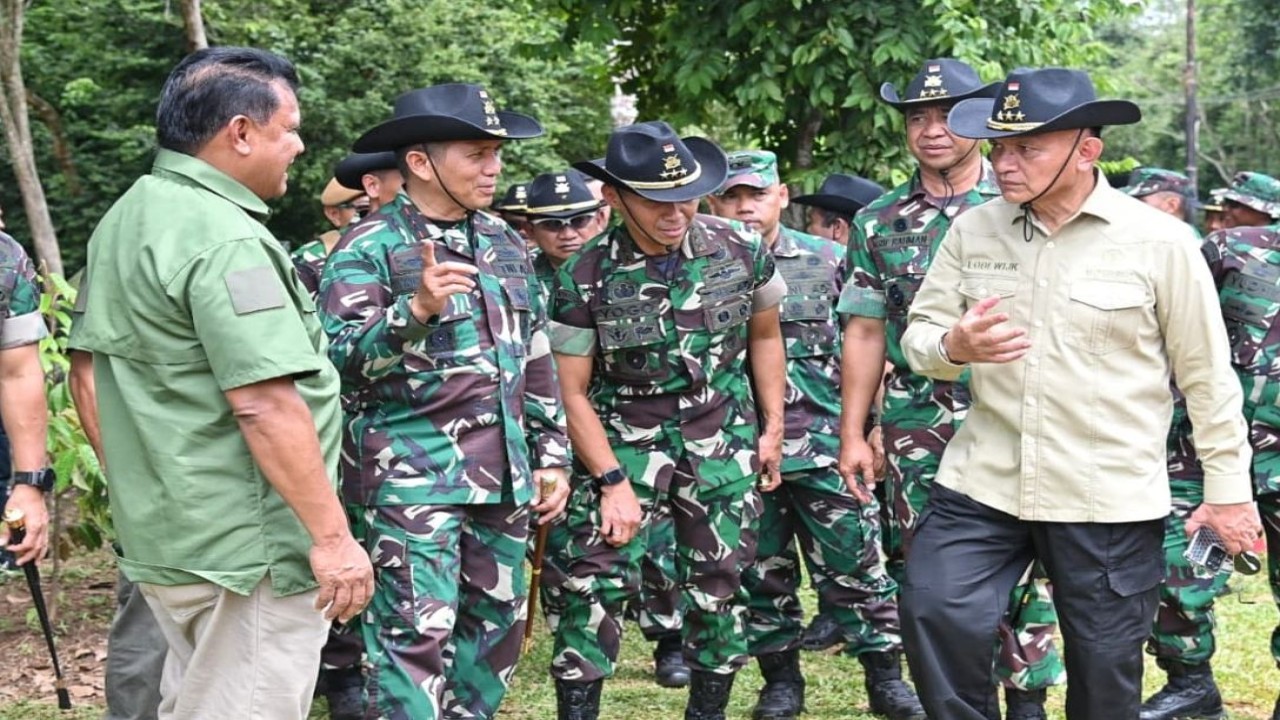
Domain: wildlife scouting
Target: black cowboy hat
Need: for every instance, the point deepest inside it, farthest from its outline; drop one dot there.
(845, 194)
(353, 167)
(650, 160)
(440, 113)
(940, 80)
(560, 195)
(513, 200)
(1039, 100)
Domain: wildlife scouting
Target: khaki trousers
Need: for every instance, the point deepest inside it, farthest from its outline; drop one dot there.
(232, 656)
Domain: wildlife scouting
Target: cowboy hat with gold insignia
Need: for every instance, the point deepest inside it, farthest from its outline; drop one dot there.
(940, 80)
(1036, 101)
(441, 113)
(560, 195)
(650, 160)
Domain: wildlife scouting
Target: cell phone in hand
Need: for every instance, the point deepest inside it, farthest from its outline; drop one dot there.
(1207, 552)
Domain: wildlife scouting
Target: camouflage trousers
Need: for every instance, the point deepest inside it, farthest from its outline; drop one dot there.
(1184, 624)
(444, 627)
(714, 533)
(1027, 658)
(1269, 509)
(657, 607)
(840, 538)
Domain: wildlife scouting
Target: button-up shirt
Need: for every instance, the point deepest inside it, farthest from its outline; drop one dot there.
(1112, 301)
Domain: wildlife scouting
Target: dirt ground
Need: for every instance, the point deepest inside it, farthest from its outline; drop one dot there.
(81, 616)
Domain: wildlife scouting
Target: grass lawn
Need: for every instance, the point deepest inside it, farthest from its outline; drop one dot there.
(1244, 669)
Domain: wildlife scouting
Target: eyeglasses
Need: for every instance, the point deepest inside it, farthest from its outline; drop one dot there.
(577, 222)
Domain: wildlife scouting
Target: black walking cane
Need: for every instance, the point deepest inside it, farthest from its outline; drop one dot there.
(17, 530)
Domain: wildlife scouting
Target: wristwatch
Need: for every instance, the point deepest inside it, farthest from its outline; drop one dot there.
(611, 477)
(42, 479)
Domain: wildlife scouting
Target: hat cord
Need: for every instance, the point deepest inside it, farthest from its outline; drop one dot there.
(1027, 230)
(622, 197)
(468, 212)
(950, 189)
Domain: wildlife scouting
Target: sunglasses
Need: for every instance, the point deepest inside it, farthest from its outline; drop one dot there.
(577, 222)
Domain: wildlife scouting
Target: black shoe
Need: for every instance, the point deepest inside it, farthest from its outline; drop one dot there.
(708, 695)
(578, 700)
(782, 697)
(1190, 694)
(344, 689)
(889, 694)
(823, 633)
(1024, 704)
(669, 669)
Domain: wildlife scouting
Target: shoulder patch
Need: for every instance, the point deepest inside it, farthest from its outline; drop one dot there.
(254, 289)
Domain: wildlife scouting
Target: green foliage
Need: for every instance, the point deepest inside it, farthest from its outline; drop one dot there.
(101, 66)
(79, 474)
(802, 77)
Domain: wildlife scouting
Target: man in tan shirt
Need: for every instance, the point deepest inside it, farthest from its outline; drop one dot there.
(1070, 303)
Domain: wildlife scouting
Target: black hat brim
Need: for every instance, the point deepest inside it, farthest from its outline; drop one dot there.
(404, 131)
(352, 168)
(834, 203)
(889, 94)
(564, 213)
(711, 159)
(969, 118)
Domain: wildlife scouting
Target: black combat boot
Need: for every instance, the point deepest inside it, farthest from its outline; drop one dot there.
(669, 669)
(890, 695)
(1024, 704)
(344, 689)
(782, 697)
(823, 633)
(1190, 694)
(578, 700)
(708, 695)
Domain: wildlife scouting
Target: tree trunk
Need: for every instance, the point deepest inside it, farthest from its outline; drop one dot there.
(17, 133)
(193, 21)
(52, 120)
(808, 134)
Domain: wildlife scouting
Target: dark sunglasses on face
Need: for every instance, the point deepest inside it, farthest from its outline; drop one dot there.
(577, 222)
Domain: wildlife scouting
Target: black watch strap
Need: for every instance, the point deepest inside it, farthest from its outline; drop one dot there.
(611, 477)
(42, 479)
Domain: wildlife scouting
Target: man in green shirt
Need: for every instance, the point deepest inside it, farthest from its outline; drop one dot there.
(219, 409)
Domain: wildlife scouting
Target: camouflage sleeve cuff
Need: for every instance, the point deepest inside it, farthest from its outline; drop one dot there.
(1228, 489)
(570, 340)
(861, 302)
(401, 321)
(770, 294)
(22, 330)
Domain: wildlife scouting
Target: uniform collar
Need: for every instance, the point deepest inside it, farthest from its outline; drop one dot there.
(986, 186)
(1105, 203)
(698, 242)
(211, 178)
(786, 245)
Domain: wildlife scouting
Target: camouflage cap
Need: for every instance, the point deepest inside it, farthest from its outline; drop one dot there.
(756, 168)
(1257, 191)
(1145, 181)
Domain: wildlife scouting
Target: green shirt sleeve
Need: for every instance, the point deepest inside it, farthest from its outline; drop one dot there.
(863, 292)
(248, 314)
(20, 294)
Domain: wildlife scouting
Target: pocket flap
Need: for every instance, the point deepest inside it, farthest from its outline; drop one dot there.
(1136, 576)
(978, 287)
(1106, 295)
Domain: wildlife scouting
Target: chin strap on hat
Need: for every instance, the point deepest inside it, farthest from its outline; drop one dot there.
(1027, 231)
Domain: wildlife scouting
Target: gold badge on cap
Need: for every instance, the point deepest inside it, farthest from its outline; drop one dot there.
(562, 185)
(521, 192)
(1011, 103)
(491, 118)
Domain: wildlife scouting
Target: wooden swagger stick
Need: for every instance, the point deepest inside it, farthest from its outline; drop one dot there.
(535, 571)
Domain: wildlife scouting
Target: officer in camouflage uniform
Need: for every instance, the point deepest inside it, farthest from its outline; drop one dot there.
(1245, 262)
(1253, 200)
(1182, 635)
(342, 207)
(838, 532)
(562, 215)
(651, 327)
(453, 413)
(894, 240)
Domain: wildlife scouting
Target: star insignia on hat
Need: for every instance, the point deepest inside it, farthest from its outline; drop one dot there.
(1019, 116)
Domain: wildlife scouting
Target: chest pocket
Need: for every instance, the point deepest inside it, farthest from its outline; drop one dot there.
(405, 268)
(1250, 305)
(451, 338)
(633, 342)
(808, 323)
(516, 290)
(1105, 316)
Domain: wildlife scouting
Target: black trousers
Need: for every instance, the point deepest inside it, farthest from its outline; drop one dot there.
(965, 560)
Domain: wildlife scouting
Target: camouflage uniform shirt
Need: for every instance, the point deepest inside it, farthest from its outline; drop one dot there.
(893, 241)
(813, 269)
(20, 320)
(459, 409)
(544, 275)
(669, 339)
(309, 261)
(1245, 262)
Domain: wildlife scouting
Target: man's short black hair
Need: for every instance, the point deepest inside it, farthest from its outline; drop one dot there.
(831, 217)
(213, 85)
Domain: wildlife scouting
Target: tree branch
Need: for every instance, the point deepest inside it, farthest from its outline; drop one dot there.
(52, 120)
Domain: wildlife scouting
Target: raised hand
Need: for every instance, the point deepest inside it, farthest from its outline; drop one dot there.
(977, 337)
(439, 281)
